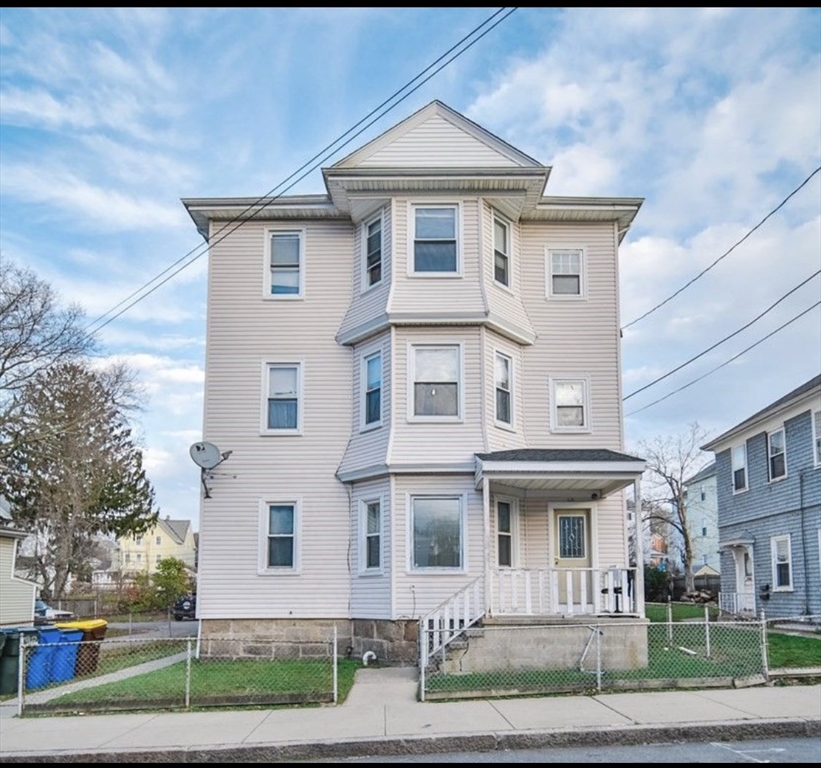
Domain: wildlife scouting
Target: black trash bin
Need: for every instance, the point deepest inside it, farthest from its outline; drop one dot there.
(10, 657)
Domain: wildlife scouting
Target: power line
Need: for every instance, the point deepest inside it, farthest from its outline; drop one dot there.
(726, 362)
(268, 199)
(726, 253)
(726, 338)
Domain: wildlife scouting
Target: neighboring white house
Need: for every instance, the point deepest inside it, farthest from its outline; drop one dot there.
(702, 513)
(16, 595)
(418, 376)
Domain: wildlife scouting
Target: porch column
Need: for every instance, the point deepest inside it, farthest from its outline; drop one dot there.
(486, 547)
(638, 548)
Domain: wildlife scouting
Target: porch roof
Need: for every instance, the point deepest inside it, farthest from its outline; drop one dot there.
(579, 472)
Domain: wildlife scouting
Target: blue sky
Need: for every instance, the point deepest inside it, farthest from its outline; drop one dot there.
(108, 117)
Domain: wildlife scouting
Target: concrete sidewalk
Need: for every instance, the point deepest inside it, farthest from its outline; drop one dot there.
(381, 716)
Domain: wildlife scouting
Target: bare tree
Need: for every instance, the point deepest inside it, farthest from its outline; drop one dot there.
(36, 332)
(671, 460)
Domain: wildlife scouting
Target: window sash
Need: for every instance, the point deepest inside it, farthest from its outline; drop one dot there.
(434, 247)
(283, 397)
(503, 388)
(504, 526)
(373, 389)
(285, 263)
(281, 535)
(571, 404)
(782, 565)
(501, 253)
(739, 461)
(436, 381)
(437, 532)
(777, 455)
(373, 535)
(566, 272)
(373, 257)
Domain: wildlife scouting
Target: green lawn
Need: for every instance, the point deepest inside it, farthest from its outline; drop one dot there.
(657, 612)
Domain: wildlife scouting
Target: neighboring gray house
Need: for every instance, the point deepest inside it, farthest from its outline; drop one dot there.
(702, 513)
(768, 471)
(418, 376)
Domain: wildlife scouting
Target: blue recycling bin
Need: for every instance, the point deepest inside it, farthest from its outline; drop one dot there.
(41, 658)
(64, 660)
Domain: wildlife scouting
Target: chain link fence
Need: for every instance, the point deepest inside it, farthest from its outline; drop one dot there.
(592, 657)
(65, 674)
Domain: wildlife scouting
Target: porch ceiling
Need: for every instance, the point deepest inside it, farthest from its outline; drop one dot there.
(580, 473)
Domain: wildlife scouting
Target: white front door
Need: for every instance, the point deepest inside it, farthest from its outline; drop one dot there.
(744, 579)
(571, 550)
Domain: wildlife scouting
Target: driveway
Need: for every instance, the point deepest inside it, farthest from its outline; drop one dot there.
(151, 629)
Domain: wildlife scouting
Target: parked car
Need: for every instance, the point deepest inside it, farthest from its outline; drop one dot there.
(185, 607)
(45, 614)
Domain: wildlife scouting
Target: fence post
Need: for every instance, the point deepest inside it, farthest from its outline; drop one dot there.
(598, 657)
(669, 621)
(707, 629)
(764, 657)
(423, 660)
(335, 659)
(21, 674)
(188, 673)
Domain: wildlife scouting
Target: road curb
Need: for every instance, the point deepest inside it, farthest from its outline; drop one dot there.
(729, 731)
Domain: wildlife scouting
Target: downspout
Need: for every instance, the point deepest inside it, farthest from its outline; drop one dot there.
(802, 511)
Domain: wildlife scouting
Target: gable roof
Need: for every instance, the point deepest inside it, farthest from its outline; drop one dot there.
(707, 471)
(428, 138)
(802, 392)
(176, 529)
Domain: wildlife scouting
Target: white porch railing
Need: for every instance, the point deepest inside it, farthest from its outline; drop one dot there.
(736, 603)
(562, 591)
(445, 623)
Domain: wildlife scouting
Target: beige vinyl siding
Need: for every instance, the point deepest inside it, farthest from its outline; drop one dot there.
(505, 304)
(446, 441)
(431, 295)
(498, 437)
(575, 337)
(369, 447)
(371, 594)
(16, 595)
(437, 142)
(417, 592)
(244, 332)
(370, 304)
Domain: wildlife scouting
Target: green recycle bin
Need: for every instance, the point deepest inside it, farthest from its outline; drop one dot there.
(10, 657)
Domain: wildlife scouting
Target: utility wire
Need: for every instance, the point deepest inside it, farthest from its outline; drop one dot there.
(267, 199)
(726, 362)
(726, 338)
(726, 253)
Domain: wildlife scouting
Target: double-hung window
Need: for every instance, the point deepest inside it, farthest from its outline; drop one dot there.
(504, 389)
(781, 562)
(504, 533)
(287, 264)
(280, 536)
(571, 407)
(501, 252)
(437, 528)
(372, 237)
(371, 542)
(283, 413)
(435, 243)
(816, 437)
(372, 396)
(565, 273)
(436, 375)
(776, 452)
(739, 459)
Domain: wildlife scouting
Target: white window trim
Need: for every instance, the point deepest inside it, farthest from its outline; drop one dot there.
(364, 249)
(816, 437)
(463, 522)
(733, 469)
(773, 550)
(263, 425)
(511, 427)
(412, 239)
(460, 388)
(509, 227)
(363, 537)
(554, 416)
(770, 478)
(363, 389)
(262, 565)
(267, 277)
(548, 267)
(514, 530)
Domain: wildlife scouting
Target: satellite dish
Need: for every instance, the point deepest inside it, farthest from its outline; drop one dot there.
(206, 455)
